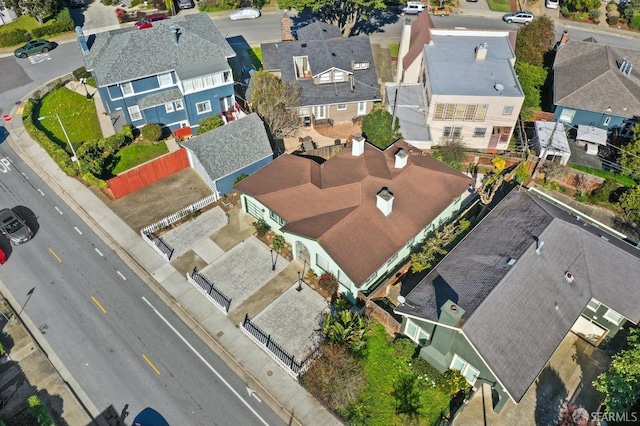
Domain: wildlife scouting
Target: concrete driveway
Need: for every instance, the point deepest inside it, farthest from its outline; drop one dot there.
(95, 17)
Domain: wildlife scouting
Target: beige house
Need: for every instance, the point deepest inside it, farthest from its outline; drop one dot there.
(456, 84)
(336, 75)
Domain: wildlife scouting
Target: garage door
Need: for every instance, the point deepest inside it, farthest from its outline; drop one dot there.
(589, 330)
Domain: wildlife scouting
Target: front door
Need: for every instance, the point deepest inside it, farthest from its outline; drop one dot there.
(320, 112)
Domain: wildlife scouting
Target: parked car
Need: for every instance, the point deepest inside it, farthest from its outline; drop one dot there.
(518, 17)
(185, 4)
(244, 13)
(3, 257)
(76, 3)
(553, 4)
(412, 8)
(147, 21)
(33, 47)
(14, 227)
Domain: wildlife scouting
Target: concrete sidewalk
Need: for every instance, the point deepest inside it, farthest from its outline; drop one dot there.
(273, 385)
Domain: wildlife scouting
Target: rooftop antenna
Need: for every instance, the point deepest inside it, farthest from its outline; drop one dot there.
(403, 301)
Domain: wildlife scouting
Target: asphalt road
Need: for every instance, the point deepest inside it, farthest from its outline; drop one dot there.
(117, 339)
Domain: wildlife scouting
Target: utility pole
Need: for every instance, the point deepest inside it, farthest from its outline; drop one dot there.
(544, 152)
(395, 108)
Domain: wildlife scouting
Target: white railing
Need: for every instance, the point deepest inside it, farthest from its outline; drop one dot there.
(174, 217)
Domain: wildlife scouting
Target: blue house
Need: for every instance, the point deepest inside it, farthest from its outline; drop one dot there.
(597, 85)
(175, 73)
(221, 155)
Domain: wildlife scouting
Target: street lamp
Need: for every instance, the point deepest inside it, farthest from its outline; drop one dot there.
(274, 260)
(75, 157)
(83, 81)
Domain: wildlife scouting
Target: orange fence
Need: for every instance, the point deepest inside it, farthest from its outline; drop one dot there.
(148, 173)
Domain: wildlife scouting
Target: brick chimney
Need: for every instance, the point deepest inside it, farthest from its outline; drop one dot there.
(285, 28)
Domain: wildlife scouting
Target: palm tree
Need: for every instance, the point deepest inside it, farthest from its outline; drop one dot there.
(345, 328)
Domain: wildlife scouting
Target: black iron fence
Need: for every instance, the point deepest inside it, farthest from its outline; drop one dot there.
(164, 247)
(216, 295)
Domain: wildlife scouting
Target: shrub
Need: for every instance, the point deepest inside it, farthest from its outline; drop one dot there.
(623, 21)
(2, 349)
(39, 411)
(112, 143)
(499, 163)
(81, 72)
(13, 36)
(262, 227)
(152, 131)
(209, 123)
(564, 11)
(278, 242)
(450, 382)
(634, 23)
(602, 194)
(134, 3)
(62, 24)
(328, 283)
(595, 14)
(240, 178)
(376, 127)
(521, 173)
(120, 14)
(107, 2)
(613, 20)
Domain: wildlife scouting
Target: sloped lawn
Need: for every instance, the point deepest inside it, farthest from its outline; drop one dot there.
(136, 154)
(78, 116)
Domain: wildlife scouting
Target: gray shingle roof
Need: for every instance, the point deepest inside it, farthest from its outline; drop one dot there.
(510, 311)
(410, 109)
(160, 98)
(324, 55)
(231, 147)
(586, 77)
(462, 74)
(318, 31)
(127, 54)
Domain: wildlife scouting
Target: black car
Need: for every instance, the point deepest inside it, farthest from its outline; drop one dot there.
(14, 227)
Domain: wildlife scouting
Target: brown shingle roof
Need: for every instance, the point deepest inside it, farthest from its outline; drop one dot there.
(420, 35)
(335, 202)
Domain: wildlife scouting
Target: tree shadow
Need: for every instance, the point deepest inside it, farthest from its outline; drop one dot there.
(377, 20)
(29, 217)
(551, 394)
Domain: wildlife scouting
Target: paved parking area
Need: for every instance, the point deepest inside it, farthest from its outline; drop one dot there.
(293, 320)
(243, 270)
(95, 17)
(188, 235)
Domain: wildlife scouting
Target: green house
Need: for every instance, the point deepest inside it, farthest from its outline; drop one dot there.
(500, 303)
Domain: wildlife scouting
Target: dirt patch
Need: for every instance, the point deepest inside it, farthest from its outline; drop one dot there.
(339, 130)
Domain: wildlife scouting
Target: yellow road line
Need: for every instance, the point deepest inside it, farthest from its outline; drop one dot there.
(55, 255)
(151, 364)
(99, 305)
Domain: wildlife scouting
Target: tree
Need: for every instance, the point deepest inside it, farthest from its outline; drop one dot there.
(630, 202)
(376, 127)
(345, 328)
(435, 247)
(39, 9)
(534, 40)
(209, 123)
(620, 385)
(276, 103)
(490, 186)
(531, 78)
(583, 5)
(631, 9)
(407, 395)
(344, 14)
(450, 151)
(335, 377)
(630, 154)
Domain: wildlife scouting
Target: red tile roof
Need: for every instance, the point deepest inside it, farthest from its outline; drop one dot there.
(335, 202)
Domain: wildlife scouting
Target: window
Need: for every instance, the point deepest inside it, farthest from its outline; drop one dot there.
(607, 121)
(179, 105)
(460, 109)
(303, 112)
(301, 63)
(613, 316)
(567, 115)
(362, 108)
(439, 114)
(203, 107)
(226, 76)
(276, 218)
(467, 370)
(415, 333)
(446, 133)
(127, 89)
(360, 65)
(169, 107)
(593, 304)
(479, 132)
(165, 80)
(325, 78)
(508, 110)
(392, 259)
(134, 113)
(338, 76)
(449, 111)
(342, 107)
(471, 112)
(319, 112)
(481, 113)
(457, 131)
(322, 263)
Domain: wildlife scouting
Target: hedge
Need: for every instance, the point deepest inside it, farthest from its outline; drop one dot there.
(62, 24)
(13, 37)
(43, 418)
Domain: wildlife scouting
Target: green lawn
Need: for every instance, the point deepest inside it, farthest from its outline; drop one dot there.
(255, 55)
(24, 22)
(394, 48)
(499, 5)
(622, 180)
(78, 115)
(135, 154)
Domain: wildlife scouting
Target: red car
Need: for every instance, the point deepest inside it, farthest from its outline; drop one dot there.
(147, 21)
(3, 257)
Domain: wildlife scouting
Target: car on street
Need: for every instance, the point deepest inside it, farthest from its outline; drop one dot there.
(412, 8)
(3, 257)
(244, 13)
(14, 227)
(33, 47)
(147, 21)
(76, 3)
(552, 4)
(518, 17)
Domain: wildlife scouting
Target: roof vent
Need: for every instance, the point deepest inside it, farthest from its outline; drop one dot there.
(511, 261)
(384, 201)
(499, 87)
(401, 158)
(625, 67)
(176, 33)
(357, 147)
(539, 244)
(303, 45)
(569, 277)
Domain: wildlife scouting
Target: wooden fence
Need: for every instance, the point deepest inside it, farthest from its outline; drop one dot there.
(148, 173)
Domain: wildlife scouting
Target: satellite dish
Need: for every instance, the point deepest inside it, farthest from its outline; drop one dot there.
(401, 300)
(499, 87)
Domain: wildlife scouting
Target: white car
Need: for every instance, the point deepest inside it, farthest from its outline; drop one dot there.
(553, 4)
(244, 13)
(412, 8)
(518, 17)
